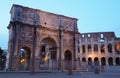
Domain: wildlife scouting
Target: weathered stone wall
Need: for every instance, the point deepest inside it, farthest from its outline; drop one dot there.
(100, 38)
(48, 25)
(53, 26)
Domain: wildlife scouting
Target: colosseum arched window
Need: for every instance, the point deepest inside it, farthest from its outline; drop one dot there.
(89, 48)
(83, 59)
(117, 61)
(96, 61)
(110, 61)
(117, 47)
(103, 61)
(95, 48)
(109, 47)
(83, 48)
(102, 48)
(89, 61)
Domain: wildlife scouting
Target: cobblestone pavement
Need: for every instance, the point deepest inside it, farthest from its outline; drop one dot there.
(61, 75)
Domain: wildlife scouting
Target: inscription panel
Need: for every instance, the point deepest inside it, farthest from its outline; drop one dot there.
(27, 16)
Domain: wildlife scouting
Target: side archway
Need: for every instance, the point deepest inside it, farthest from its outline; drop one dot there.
(68, 59)
(25, 56)
(68, 55)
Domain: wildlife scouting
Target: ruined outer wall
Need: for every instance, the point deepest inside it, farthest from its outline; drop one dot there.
(99, 38)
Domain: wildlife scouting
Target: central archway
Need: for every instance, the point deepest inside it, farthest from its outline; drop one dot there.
(48, 54)
(68, 59)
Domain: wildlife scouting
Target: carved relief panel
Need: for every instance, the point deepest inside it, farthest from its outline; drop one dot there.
(49, 20)
(26, 33)
(67, 24)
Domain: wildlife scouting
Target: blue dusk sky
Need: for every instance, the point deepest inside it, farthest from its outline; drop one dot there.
(92, 15)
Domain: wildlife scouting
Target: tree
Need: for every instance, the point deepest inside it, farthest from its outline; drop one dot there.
(2, 59)
(1, 51)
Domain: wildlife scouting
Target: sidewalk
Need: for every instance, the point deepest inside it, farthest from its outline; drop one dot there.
(60, 75)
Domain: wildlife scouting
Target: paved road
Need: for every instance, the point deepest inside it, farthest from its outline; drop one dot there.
(60, 75)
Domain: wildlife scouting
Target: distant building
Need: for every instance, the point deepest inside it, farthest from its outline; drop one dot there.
(57, 43)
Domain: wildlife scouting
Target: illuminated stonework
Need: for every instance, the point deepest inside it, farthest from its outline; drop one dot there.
(103, 46)
(59, 45)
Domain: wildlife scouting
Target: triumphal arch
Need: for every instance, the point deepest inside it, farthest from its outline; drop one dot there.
(41, 40)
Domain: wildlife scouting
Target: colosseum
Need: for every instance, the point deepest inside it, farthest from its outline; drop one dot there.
(40, 40)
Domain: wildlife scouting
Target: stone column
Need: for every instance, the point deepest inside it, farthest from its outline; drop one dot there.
(15, 62)
(37, 64)
(100, 61)
(113, 49)
(60, 42)
(92, 45)
(86, 50)
(107, 61)
(12, 41)
(99, 47)
(106, 47)
(16, 52)
(113, 60)
(99, 58)
(48, 56)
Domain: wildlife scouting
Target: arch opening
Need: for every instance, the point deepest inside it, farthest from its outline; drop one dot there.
(102, 47)
(96, 61)
(95, 48)
(68, 59)
(103, 61)
(25, 56)
(117, 48)
(89, 61)
(48, 54)
(109, 48)
(117, 61)
(110, 61)
(83, 59)
(83, 48)
(89, 48)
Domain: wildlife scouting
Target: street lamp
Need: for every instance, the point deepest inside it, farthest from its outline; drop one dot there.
(22, 56)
